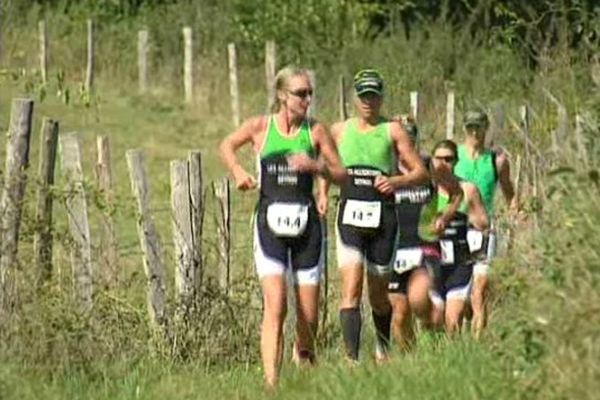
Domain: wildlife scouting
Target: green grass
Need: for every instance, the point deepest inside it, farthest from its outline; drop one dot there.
(459, 369)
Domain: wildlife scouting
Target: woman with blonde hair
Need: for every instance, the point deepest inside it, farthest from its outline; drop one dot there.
(291, 149)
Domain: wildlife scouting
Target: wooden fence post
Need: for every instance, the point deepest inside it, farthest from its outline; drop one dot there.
(143, 60)
(342, 97)
(414, 105)
(270, 70)
(197, 203)
(221, 191)
(43, 32)
(182, 237)
(188, 65)
(450, 115)
(524, 116)
(76, 205)
(560, 134)
(109, 245)
(581, 149)
(89, 75)
(42, 240)
(497, 126)
(234, 90)
(15, 179)
(153, 264)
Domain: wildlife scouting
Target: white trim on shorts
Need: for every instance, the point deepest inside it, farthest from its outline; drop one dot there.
(349, 255)
(267, 266)
(458, 293)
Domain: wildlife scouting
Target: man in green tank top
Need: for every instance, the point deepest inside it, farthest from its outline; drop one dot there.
(366, 225)
(485, 168)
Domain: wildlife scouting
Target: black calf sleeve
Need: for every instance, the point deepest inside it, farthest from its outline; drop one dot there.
(351, 325)
(382, 329)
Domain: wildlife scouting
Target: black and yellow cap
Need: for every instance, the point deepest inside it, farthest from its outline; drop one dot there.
(476, 117)
(368, 81)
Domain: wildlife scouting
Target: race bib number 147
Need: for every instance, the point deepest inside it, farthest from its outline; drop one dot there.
(362, 214)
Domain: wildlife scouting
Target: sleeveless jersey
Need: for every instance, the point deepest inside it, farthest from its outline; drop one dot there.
(480, 171)
(365, 155)
(416, 210)
(456, 230)
(277, 180)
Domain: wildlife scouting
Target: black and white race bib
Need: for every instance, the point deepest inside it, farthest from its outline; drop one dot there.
(287, 219)
(475, 240)
(407, 259)
(447, 247)
(362, 214)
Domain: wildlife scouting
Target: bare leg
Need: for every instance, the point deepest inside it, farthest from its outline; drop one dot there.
(418, 294)
(271, 341)
(307, 311)
(352, 283)
(402, 327)
(478, 304)
(454, 315)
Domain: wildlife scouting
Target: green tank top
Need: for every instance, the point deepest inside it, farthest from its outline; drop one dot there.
(276, 143)
(444, 200)
(371, 148)
(480, 171)
(426, 219)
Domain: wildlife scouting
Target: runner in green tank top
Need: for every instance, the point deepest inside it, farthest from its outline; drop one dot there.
(485, 168)
(366, 224)
(454, 276)
(287, 230)
(417, 247)
(278, 143)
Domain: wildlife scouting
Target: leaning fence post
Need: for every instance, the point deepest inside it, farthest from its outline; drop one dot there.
(450, 115)
(414, 105)
(270, 68)
(497, 126)
(89, 75)
(197, 202)
(188, 65)
(181, 209)
(43, 32)
(143, 60)
(76, 205)
(221, 191)
(234, 90)
(42, 240)
(109, 246)
(342, 98)
(583, 155)
(560, 134)
(148, 236)
(15, 179)
(524, 115)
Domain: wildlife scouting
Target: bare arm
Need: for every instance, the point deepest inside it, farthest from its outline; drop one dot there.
(506, 185)
(323, 183)
(244, 134)
(477, 214)
(455, 194)
(417, 173)
(332, 169)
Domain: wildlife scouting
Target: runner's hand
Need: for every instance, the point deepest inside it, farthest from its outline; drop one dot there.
(383, 185)
(322, 203)
(439, 225)
(243, 180)
(302, 163)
